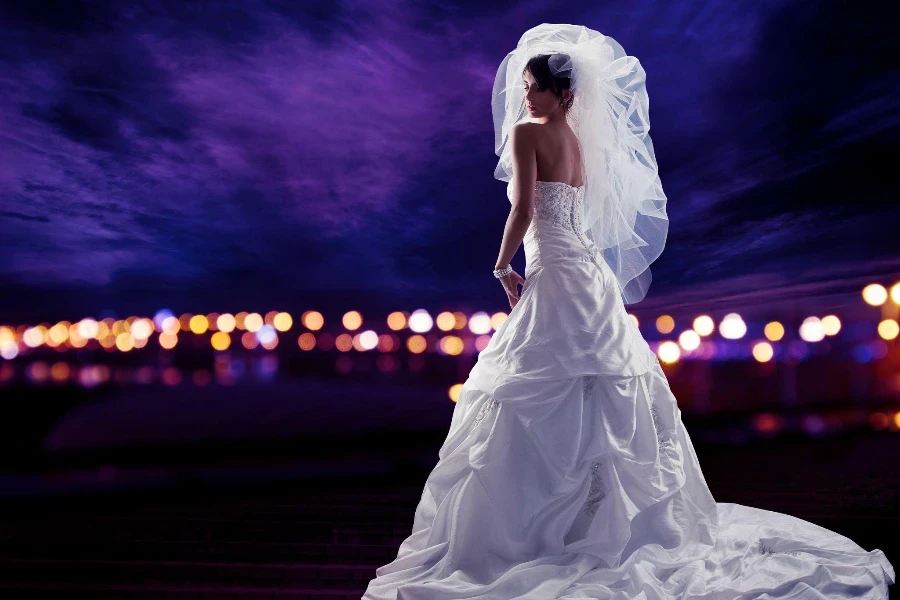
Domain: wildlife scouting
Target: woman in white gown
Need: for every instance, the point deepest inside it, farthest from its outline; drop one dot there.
(567, 472)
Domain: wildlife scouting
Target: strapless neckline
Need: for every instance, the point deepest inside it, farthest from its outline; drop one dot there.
(561, 183)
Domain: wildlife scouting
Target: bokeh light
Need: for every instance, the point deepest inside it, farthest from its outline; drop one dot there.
(352, 320)
(704, 325)
(773, 331)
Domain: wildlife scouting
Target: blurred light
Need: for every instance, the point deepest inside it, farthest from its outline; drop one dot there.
(352, 320)
(283, 321)
(497, 319)
(635, 319)
(33, 337)
(170, 376)
(160, 318)
(813, 425)
(253, 323)
(344, 342)
(37, 372)
(199, 324)
(811, 330)
(768, 423)
(220, 340)
(895, 293)
(270, 343)
(874, 294)
(171, 325)
(451, 345)
(142, 329)
(270, 317)
(704, 325)
(9, 350)
(239, 320)
(888, 329)
(213, 320)
(325, 341)
(60, 372)
(665, 324)
(306, 341)
(108, 341)
(59, 333)
(76, 340)
(266, 335)
(416, 344)
(732, 327)
(184, 321)
(88, 328)
(454, 391)
(7, 334)
(879, 420)
(368, 339)
(668, 351)
(480, 323)
(689, 340)
(168, 340)
(420, 321)
(481, 342)
(225, 323)
(396, 321)
(461, 319)
(312, 320)
(831, 324)
(445, 321)
(763, 351)
(124, 342)
(774, 331)
(386, 342)
(249, 340)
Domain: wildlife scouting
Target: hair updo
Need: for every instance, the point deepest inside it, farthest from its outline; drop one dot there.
(539, 65)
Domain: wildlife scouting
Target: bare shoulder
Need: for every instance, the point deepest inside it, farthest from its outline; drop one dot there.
(524, 135)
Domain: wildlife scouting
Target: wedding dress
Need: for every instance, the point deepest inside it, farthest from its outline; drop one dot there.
(567, 472)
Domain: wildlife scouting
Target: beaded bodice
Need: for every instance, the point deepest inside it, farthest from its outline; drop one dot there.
(558, 204)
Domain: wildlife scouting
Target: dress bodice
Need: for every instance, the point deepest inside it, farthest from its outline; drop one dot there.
(556, 231)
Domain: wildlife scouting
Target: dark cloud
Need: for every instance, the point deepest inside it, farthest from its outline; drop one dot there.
(267, 149)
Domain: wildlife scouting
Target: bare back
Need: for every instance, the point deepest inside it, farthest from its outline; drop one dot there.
(558, 155)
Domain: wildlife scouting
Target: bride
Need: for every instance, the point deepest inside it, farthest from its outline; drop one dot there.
(567, 471)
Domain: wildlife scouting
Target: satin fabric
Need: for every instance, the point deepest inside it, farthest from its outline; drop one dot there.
(567, 472)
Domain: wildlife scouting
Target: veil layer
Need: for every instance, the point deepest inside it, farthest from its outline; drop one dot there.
(624, 203)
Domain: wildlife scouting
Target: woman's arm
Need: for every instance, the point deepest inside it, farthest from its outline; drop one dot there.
(524, 163)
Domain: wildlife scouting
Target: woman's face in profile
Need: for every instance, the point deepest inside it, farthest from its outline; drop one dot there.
(538, 101)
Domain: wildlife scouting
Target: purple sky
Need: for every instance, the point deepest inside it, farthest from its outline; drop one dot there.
(215, 156)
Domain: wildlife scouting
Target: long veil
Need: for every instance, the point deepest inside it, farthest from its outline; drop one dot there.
(624, 203)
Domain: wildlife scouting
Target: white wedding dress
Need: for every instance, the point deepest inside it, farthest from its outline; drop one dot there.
(567, 472)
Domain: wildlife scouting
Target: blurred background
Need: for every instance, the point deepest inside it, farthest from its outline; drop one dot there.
(245, 255)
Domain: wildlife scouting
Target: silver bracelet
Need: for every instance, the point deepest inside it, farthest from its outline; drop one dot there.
(498, 273)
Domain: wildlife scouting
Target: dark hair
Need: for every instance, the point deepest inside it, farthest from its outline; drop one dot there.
(539, 65)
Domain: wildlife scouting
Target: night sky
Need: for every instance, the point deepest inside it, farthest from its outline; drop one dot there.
(226, 156)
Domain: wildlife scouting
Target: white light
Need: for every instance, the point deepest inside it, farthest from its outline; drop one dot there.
(141, 329)
(668, 351)
(33, 337)
(704, 325)
(689, 340)
(480, 323)
(811, 330)
(266, 334)
(732, 327)
(88, 328)
(368, 339)
(9, 350)
(420, 321)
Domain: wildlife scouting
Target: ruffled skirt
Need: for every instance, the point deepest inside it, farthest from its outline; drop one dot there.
(567, 473)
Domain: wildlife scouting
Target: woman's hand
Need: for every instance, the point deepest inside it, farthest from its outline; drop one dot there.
(510, 283)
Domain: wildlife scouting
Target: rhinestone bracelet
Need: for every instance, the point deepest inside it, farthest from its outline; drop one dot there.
(498, 273)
